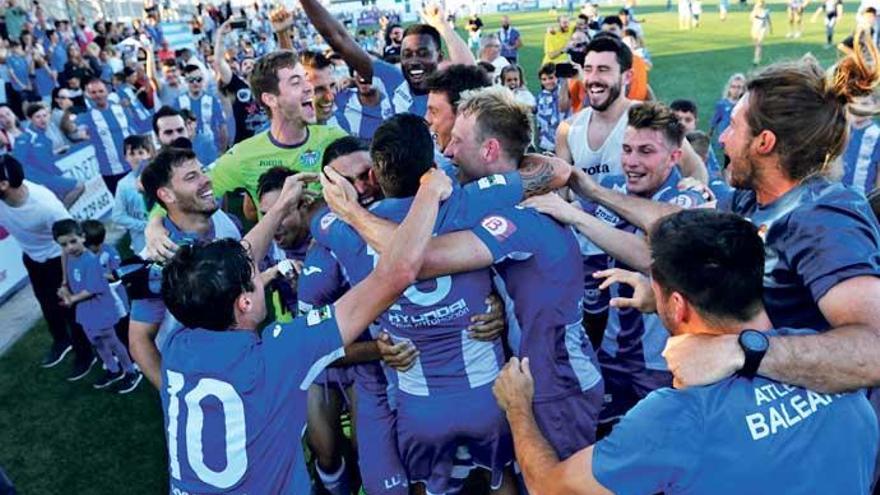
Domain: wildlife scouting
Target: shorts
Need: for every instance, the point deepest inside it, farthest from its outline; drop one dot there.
(569, 423)
(340, 376)
(382, 472)
(435, 434)
(96, 334)
(148, 310)
(624, 390)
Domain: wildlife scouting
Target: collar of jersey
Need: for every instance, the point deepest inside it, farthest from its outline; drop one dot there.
(290, 146)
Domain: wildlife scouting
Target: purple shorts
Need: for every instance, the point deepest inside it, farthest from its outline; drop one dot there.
(442, 438)
(624, 390)
(382, 471)
(569, 423)
(335, 377)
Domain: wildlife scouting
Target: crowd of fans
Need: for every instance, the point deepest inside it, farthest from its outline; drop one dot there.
(473, 286)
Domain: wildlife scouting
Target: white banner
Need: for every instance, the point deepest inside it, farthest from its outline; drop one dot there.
(12, 271)
(96, 201)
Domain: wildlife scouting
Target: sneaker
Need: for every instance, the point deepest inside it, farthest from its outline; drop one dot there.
(56, 354)
(130, 382)
(108, 379)
(81, 369)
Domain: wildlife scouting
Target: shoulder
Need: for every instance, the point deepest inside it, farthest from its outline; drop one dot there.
(832, 205)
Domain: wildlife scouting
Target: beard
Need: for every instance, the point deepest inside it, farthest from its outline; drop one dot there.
(613, 95)
(742, 176)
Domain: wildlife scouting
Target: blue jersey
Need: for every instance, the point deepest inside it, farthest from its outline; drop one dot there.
(435, 314)
(84, 272)
(107, 129)
(138, 110)
(741, 436)
(58, 57)
(235, 404)
(721, 118)
(359, 120)
(539, 262)
(44, 83)
(633, 340)
(209, 114)
(321, 281)
(547, 118)
(34, 150)
(18, 65)
(392, 83)
(109, 258)
(816, 236)
(861, 157)
(130, 210)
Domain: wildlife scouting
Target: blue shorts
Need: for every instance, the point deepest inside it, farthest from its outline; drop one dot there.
(624, 390)
(569, 423)
(382, 472)
(436, 433)
(340, 376)
(148, 310)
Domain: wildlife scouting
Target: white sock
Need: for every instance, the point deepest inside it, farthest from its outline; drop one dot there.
(335, 483)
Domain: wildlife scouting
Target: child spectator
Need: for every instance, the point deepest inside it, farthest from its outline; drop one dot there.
(108, 256)
(549, 111)
(512, 77)
(89, 292)
(130, 210)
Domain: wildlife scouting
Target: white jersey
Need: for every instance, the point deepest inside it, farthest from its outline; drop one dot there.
(600, 162)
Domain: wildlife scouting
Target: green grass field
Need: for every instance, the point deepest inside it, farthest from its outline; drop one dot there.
(63, 438)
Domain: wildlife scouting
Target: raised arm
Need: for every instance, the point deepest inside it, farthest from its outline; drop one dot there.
(338, 38)
(398, 267)
(221, 66)
(459, 53)
(260, 237)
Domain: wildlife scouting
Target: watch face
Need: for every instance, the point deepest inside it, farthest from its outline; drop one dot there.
(754, 340)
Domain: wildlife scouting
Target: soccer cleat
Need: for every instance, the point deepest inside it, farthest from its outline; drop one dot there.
(56, 354)
(130, 382)
(109, 378)
(81, 369)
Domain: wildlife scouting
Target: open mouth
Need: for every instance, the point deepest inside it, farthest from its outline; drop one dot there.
(206, 194)
(416, 74)
(634, 176)
(309, 106)
(597, 90)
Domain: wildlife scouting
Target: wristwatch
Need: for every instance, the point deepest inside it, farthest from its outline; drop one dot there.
(754, 344)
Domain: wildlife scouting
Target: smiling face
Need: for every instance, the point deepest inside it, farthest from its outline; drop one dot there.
(195, 82)
(356, 168)
(190, 190)
(603, 79)
(419, 56)
(325, 89)
(440, 117)
(647, 160)
(294, 102)
(511, 80)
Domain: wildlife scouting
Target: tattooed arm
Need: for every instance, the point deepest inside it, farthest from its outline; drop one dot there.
(541, 174)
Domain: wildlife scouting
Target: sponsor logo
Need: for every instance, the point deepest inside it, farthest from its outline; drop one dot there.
(431, 318)
(311, 270)
(276, 331)
(77, 275)
(492, 180)
(316, 316)
(762, 231)
(598, 169)
(274, 162)
(683, 200)
(500, 227)
(328, 220)
(309, 158)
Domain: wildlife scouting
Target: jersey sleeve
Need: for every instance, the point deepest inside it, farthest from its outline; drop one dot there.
(477, 199)
(93, 276)
(514, 233)
(217, 115)
(321, 281)
(226, 174)
(830, 244)
(653, 447)
(296, 352)
(389, 74)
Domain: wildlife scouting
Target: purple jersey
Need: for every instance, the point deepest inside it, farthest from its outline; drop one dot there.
(235, 404)
(434, 314)
(539, 261)
(816, 236)
(84, 272)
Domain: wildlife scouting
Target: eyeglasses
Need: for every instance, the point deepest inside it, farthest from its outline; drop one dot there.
(192, 80)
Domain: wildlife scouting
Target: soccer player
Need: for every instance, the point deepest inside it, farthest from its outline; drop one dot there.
(813, 279)
(107, 125)
(537, 258)
(245, 437)
(707, 278)
(452, 368)
(444, 92)
(89, 292)
(591, 140)
(319, 73)
(630, 350)
(420, 55)
(207, 108)
(175, 181)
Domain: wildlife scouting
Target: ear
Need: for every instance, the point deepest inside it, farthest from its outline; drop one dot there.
(269, 99)
(765, 142)
(675, 156)
(490, 150)
(680, 309)
(627, 77)
(243, 304)
(166, 195)
(371, 176)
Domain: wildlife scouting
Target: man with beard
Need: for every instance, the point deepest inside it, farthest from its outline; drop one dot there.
(362, 109)
(248, 114)
(419, 56)
(537, 258)
(393, 39)
(821, 239)
(511, 41)
(174, 180)
(555, 41)
(592, 139)
(293, 140)
(168, 125)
